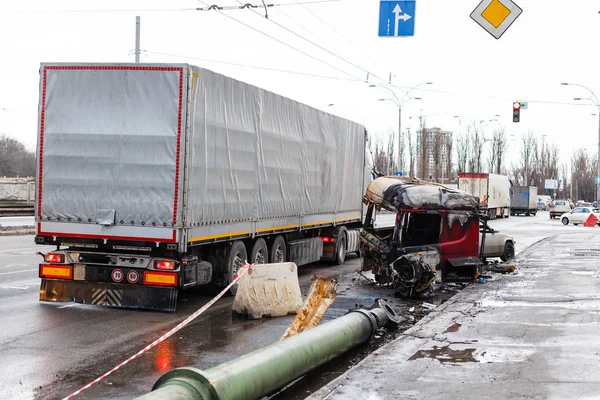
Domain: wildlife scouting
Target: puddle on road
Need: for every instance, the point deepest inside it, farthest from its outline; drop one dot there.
(445, 354)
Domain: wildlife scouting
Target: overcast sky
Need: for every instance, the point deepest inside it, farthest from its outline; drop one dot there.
(474, 75)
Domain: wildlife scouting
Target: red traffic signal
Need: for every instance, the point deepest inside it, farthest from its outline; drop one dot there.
(516, 111)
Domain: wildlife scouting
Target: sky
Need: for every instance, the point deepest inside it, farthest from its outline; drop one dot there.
(327, 53)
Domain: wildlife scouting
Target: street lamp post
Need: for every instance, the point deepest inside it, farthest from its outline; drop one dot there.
(596, 102)
(399, 103)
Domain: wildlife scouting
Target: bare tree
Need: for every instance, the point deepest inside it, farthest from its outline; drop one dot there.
(437, 154)
(411, 154)
(499, 144)
(528, 143)
(448, 154)
(462, 152)
(423, 139)
(15, 159)
(477, 142)
(583, 172)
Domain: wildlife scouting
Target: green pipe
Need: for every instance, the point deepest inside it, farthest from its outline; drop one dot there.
(265, 370)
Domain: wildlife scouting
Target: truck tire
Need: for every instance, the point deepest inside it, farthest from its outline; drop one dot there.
(259, 253)
(236, 255)
(278, 250)
(509, 251)
(340, 253)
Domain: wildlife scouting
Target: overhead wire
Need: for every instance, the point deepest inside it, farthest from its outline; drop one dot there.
(207, 8)
(253, 66)
(285, 44)
(319, 46)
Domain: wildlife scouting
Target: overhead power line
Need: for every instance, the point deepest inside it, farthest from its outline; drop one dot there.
(206, 8)
(285, 44)
(319, 46)
(254, 66)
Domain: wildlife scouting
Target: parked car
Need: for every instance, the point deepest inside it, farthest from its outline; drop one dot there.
(496, 244)
(586, 204)
(541, 205)
(559, 207)
(579, 215)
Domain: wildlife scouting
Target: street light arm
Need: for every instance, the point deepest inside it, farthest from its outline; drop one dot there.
(592, 97)
(404, 99)
(397, 100)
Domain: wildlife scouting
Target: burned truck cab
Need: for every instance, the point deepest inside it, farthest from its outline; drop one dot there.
(437, 229)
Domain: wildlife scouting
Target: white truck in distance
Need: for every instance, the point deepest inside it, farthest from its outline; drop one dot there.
(493, 191)
(153, 178)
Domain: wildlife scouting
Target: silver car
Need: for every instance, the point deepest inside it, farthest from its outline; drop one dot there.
(496, 244)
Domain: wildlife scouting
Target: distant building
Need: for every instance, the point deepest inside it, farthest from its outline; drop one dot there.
(437, 169)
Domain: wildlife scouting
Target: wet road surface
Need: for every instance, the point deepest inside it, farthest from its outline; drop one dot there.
(52, 349)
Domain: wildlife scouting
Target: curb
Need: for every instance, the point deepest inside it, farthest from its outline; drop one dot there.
(326, 390)
(18, 232)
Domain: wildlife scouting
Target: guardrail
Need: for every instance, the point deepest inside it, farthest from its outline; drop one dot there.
(16, 210)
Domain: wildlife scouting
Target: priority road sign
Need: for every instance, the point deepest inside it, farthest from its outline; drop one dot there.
(397, 18)
(496, 16)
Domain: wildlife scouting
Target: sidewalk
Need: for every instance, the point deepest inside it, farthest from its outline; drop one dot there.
(534, 335)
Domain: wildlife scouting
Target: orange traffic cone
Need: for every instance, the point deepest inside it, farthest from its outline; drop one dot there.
(591, 221)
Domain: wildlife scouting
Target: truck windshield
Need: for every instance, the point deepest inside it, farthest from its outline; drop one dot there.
(421, 229)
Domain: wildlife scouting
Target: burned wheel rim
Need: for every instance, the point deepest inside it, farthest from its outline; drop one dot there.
(278, 255)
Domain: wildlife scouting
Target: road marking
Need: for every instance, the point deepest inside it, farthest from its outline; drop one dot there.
(24, 248)
(18, 272)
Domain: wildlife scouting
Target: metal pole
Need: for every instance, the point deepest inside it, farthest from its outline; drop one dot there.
(137, 39)
(399, 166)
(598, 157)
(265, 370)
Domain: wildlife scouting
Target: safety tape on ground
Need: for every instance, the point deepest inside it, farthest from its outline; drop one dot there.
(243, 269)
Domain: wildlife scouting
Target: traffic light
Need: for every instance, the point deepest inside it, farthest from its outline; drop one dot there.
(516, 111)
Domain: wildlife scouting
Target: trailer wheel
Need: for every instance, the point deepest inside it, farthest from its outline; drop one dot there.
(278, 250)
(340, 254)
(236, 255)
(259, 253)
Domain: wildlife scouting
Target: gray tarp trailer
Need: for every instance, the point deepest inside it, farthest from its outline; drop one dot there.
(156, 177)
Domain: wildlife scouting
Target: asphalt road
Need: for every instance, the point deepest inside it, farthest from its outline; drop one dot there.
(50, 350)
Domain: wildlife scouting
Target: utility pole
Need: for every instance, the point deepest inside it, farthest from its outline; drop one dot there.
(137, 39)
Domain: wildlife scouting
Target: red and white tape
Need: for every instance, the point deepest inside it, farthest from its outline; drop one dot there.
(183, 323)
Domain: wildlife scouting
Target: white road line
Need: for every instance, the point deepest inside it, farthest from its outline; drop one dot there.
(18, 272)
(24, 248)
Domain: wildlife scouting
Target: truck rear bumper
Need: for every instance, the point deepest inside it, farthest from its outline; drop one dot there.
(109, 294)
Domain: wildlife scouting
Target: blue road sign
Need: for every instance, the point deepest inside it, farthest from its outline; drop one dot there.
(396, 18)
(597, 180)
(398, 173)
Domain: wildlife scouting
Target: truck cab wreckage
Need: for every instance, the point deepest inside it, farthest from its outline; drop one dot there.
(437, 228)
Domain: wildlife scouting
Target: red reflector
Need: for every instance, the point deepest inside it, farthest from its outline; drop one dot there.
(164, 264)
(327, 239)
(55, 258)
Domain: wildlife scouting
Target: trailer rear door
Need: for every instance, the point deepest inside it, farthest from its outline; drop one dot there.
(110, 150)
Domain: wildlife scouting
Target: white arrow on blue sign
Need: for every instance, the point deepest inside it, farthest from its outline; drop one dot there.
(397, 18)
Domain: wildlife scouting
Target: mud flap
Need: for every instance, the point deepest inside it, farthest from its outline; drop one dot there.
(464, 269)
(320, 296)
(270, 290)
(110, 295)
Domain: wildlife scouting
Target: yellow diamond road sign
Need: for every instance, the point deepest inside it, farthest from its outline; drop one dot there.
(495, 16)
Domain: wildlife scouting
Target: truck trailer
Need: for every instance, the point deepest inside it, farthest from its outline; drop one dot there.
(523, 200)
(493, 191)
(153, 178)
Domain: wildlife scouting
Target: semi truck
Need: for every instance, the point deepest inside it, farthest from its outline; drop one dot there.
(493, 191)
(154, 178)
(523, 200)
